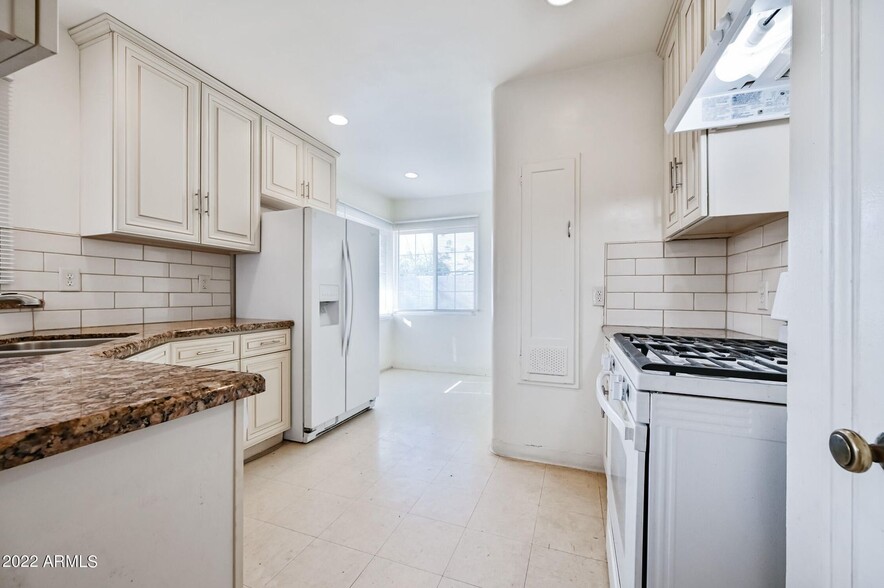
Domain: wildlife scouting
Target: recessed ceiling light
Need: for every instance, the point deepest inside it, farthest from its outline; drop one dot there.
(411, 175)
(338, 119)
(559, 2)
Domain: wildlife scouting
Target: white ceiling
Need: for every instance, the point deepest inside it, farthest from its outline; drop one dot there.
(415, 77)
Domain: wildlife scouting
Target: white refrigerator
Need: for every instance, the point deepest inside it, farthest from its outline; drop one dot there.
(321, 271)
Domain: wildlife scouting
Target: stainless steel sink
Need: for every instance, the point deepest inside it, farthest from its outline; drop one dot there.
(50, 346)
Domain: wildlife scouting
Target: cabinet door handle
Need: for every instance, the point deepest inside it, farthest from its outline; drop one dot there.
(671, 182)
(678, 164)
(303, 191)
(308, 189)
(569, 229)
(207, 203)
(196, 200)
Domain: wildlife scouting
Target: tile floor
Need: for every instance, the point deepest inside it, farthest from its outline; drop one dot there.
(408, 495)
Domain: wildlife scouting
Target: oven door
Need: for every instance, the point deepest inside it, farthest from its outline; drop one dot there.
(625, 459)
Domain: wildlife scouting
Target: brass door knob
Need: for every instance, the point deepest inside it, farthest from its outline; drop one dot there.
(853, 453)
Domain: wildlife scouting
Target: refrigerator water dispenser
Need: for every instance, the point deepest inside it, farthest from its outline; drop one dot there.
(329, 305)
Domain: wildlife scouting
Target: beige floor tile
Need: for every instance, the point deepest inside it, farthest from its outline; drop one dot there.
(363, 527)
(263, 497)
(447, 504)
(267, 549)
(311, 513)
(395, 492)
(489, 561)
(477, 452)
(419, 467)
(309, 472)
(349, 481)
(422, 543)
(449, 583)
(510, 517)
(571, 532)
(322, 565)
(465, 475)
(549, 568)
(571, 490)
(272, 464)
(382, 573)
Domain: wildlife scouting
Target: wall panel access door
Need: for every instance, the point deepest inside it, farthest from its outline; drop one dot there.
(548, 281)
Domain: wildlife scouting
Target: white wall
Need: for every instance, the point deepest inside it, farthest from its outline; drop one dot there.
(358, 196)
(454, 342)
(45, 143)
(610, 115)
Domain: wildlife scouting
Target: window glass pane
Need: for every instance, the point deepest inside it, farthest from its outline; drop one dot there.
(464, 282)
(446, 243)
(446, 300)
(465, 241)
(464, 301)
(436, 270)
(446, 282)
(423, 243)
(406, 244)
(464, 262)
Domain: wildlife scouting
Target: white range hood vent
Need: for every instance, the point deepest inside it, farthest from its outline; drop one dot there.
(743, 75)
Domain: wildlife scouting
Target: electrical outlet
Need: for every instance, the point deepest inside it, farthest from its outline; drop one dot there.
(203, 282)
(598, 296)
(763, 296)
(69, 280)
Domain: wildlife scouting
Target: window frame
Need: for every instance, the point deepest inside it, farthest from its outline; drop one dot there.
(441, 227)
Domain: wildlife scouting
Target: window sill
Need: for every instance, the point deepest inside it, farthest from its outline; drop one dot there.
(435, 312)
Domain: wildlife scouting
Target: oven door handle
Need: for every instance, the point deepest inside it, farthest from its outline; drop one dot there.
(627, 430)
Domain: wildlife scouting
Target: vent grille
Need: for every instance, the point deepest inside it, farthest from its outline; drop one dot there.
(548, 361)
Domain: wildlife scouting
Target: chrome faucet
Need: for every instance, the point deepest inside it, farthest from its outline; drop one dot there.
(23, 300)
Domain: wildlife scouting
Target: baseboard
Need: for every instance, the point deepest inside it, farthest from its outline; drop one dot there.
(580, 461)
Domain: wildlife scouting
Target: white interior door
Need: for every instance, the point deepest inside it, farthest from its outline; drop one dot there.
(159, 180)
(363, 332)
(230, 173)
(835, 519)
(325, 369)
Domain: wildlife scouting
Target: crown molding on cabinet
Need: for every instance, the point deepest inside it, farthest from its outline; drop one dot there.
(104, 24)
(670, 20)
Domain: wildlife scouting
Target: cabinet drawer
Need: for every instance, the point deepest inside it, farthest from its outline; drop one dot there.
(205, 351)
(266, 342)
(156, 355)
(230, 366)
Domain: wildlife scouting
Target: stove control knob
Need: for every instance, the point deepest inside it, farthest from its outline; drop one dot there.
(607, 362)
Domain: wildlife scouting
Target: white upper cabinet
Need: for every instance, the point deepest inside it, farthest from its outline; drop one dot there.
(320, 179)
(282, 152)
(230, 160)
(169, 153)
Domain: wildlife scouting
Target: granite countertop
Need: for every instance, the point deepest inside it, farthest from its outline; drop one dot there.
(50, 404)
(609, 331)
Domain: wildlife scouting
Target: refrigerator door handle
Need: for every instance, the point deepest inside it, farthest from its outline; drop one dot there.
(346, 299)
(350, 295)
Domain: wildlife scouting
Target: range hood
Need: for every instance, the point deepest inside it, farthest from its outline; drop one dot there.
(28, 33)
(743, 74)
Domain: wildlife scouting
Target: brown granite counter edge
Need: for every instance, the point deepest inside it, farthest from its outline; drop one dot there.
(45, 441)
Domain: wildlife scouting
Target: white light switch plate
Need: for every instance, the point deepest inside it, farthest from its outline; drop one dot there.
(68, 280)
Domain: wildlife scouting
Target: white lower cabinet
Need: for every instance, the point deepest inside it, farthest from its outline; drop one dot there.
(267, 353)
(269, 413)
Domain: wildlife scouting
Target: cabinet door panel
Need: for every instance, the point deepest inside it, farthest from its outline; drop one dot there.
(269, 413)
(159, 176)
(671, 143)
(230, 173)
(320, 176)
(281, 157)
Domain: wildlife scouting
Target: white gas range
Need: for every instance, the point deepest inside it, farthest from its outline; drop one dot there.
(695, 461)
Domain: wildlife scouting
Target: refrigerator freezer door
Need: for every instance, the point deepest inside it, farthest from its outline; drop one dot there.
(324, 318)
(362, 304)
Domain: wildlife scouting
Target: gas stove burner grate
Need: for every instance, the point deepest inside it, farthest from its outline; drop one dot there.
(707, 356)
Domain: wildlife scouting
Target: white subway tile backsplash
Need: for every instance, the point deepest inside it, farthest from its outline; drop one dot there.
(752, 239)
(52, 262)
(31, 261)
(220, 273)
(634, 250)
(635, 318)
(712, 265)
(772, 277)
(747, 323)
(664, 301)
(664, 266)
(166, 254)
(747, 282)
(705, 301)
(56, 319)
(100, 248)
(78, 300)
(141, 299)
(619, 300)
(736, 301)
(39, 281)
(16, 321)
(775, 232)
(635, 284)
(125, 316)
(101, 283)
(213, 259)
(621, 267)
(46, 242)
(694, 319)
(694, 284)
(764, 258)
(696, 248)
(167, 285)
(199, 299)
(770, 328)
(168, 315)
(737, 263)
(210, 312)
(189, 271)
(221, 300)
(128, 267)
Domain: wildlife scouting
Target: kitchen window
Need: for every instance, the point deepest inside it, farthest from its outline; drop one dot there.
(437, 268)
(386, 253)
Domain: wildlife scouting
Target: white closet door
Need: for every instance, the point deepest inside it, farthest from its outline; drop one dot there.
(230, 184)
(158, 177)
(549, 313)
